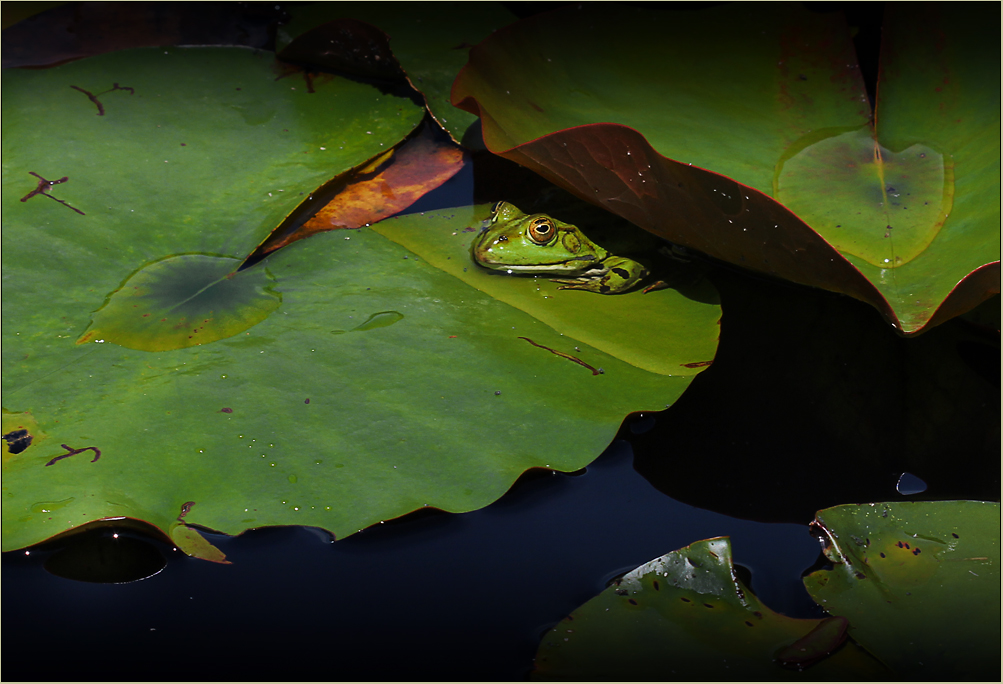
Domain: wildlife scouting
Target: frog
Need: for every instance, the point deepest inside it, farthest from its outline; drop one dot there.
(518, 243)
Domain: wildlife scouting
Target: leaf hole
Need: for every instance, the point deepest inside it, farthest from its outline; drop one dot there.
(18, 440)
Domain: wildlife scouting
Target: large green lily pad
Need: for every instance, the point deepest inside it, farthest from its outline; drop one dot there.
(919, 583)
(380, 384)
(356, 401)
(685, 616)
(748, 135)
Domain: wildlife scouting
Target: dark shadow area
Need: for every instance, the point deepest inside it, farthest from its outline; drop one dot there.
(813, 401)
(92, 28)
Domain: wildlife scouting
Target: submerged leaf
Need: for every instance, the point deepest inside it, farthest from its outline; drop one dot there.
(902, 199)
(828, 635)
(191, 542)
(183, 301)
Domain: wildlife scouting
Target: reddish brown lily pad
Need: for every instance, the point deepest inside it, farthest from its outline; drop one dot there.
(377, 190)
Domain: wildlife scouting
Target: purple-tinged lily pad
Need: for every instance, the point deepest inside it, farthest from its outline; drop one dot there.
(737, 136)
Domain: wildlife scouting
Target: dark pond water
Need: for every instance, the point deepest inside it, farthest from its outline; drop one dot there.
(432, 597)
(760, 441)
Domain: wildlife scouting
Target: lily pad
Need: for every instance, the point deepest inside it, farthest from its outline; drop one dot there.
(665, 331)
(749, 137)
(904, 574)
(255, 438)
(357, 399)
(686, 616)
(429, 41)
(118, 179)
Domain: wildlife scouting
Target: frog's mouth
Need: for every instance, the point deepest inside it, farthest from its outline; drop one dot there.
(573, 265)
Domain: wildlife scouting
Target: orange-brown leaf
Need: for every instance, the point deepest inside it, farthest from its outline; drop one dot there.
(383, 187)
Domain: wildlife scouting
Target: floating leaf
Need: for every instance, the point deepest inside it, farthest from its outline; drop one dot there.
(686, 616)
(749, 106)
(383, 187)
(902, 574)
(354, 401)
(432, 364)
(666, 331)
(155, 181)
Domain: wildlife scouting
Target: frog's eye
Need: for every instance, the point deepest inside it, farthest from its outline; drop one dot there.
(541, 230)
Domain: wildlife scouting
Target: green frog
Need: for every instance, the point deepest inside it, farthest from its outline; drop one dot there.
(515, 242)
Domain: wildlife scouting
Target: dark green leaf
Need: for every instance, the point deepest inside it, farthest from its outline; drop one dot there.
(685, 616)
(919, 582)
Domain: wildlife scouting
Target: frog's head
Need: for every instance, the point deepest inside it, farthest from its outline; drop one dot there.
(519, 243)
